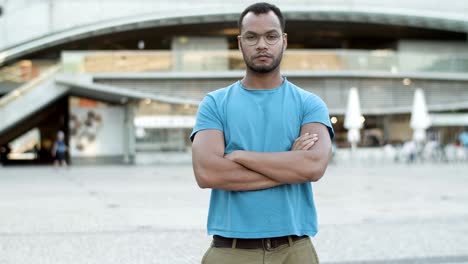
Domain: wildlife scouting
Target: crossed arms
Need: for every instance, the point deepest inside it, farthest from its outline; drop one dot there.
(247, 170)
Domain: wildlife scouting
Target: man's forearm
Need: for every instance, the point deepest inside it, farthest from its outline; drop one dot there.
(220, 173)
(286, 167)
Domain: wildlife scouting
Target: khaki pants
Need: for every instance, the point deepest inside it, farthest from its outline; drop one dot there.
(301, 252)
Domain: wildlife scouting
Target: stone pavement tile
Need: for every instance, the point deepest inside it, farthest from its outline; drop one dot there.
(130, 247)
(394, 214)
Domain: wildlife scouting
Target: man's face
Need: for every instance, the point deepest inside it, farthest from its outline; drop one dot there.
(262, 42)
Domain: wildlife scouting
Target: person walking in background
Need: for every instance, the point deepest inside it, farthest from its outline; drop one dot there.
(409, 150)
(258, 144)
(59, 150)
(463, 138)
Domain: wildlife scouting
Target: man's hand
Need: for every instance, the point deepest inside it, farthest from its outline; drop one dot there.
(232, 156)
(306, 161)
(304, 142)
(213, 171)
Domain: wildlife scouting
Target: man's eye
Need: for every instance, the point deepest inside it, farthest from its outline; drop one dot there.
(250, 37)
(272, 37)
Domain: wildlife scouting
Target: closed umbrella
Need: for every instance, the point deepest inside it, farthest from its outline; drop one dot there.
(353, 118)
(420, 120)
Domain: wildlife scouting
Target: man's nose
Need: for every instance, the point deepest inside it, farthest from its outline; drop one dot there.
(262, 43)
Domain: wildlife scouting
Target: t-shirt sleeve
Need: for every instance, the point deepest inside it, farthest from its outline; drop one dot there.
(208, 117)
(316, 111)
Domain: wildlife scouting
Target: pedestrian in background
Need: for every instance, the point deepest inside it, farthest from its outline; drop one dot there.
(59, 150)
(463, 138)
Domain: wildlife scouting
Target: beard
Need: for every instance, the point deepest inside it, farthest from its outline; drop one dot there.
(276, 61)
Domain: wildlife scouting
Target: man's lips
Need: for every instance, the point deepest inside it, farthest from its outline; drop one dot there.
(263, 56)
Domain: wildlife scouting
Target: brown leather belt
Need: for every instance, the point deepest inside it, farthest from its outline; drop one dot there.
(264, 243)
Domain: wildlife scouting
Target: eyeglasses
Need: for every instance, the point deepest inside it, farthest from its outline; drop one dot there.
(271, 38)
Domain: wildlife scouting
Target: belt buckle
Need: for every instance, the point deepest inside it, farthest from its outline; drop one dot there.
(267, 244)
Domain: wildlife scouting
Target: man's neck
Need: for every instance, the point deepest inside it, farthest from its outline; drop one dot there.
(262, 81)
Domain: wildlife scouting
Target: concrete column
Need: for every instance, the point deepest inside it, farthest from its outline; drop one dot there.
(387, 122)
(129, 134)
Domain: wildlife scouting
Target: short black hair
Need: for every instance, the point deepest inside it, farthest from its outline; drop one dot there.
(263, 8)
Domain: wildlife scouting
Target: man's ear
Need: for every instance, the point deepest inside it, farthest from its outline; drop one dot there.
(285, 41)
(239, 45)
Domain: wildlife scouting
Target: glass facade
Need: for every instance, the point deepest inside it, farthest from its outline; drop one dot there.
(294, 60)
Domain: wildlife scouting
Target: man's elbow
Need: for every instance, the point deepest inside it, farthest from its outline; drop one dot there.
(207, 172)
(310, 173)
(203, 184)
(316, 175)
(204, 178)
(316, 169)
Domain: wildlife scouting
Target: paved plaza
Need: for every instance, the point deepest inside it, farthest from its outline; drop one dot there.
(370, 213)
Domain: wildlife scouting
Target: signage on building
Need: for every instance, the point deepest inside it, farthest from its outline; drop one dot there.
(449, 119)
(165, 121)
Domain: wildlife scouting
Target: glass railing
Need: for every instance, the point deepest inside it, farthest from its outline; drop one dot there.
(231, 60)
(29, 83)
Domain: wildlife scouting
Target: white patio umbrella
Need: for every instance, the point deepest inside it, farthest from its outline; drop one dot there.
(353, 118)
(420, 120)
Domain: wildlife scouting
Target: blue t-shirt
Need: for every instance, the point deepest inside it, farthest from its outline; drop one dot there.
(61, 147)
(463, 137)
(261, 121)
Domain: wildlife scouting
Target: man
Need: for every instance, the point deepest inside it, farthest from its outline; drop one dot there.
(59, 150)
(463, 138)
(258, 144)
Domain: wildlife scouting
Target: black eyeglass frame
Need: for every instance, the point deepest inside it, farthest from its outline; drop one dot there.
(242, 36)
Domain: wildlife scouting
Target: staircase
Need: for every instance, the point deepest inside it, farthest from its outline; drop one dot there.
(29, 99)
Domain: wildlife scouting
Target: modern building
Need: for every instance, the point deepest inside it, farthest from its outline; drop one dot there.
(125, 78)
